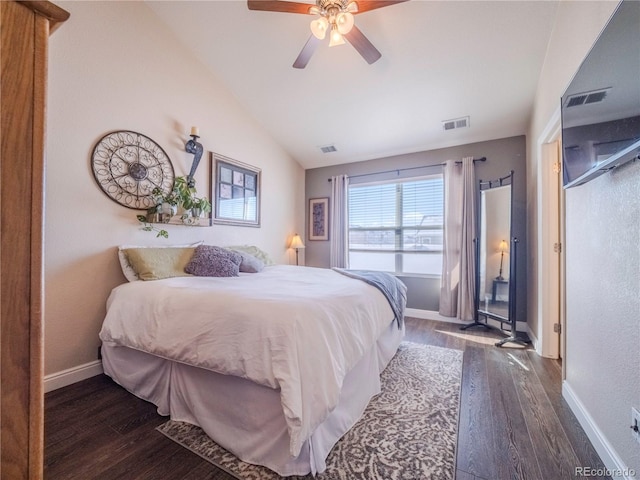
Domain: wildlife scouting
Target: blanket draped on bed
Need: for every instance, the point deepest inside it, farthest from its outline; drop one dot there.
(297, 329)
(393, 289)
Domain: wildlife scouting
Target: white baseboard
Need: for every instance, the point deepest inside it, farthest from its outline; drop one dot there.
(613, 463)
(430, 315)
(72, 375)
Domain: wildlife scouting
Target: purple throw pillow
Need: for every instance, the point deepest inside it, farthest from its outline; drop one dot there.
(210, 261)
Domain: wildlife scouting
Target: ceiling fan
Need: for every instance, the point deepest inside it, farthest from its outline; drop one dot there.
(335, 17)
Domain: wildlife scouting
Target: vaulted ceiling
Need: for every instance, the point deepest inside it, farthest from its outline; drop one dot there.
(441, 60)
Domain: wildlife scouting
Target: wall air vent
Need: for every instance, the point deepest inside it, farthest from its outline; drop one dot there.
(586, 98)
(462, 122)
(328, 149)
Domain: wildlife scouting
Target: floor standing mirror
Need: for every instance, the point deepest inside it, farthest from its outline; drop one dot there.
(495, 246)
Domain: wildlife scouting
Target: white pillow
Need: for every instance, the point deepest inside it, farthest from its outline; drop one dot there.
(128, 271)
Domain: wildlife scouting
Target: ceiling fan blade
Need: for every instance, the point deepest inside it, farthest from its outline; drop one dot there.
(279, 6)
(366, 5)
(307, 51)
(363, 45)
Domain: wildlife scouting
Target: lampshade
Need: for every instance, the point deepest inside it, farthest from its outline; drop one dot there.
(344, 22)
(296, 242)
(334, 16)
(503, 246)
(335, 38)
(319, 27)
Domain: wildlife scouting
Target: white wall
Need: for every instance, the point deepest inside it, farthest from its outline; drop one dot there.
(602, 260)
(576, 28)
(114, 66)
(603, 303)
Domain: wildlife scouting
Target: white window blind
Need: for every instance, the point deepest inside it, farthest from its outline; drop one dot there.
(397, 226)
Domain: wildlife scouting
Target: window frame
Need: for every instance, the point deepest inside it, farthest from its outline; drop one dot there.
(218, 162)
(399, 230)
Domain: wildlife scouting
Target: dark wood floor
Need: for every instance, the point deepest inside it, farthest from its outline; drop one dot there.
(514, 423)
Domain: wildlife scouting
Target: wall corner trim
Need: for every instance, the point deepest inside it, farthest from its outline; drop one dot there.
(73, 375)
(605, 450)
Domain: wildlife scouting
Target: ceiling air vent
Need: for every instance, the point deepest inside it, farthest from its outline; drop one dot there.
(328, 149)
(586, 98)
(456, 123)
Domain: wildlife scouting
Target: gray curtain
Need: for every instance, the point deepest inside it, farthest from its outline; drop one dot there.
(458, 264)
(339, 221)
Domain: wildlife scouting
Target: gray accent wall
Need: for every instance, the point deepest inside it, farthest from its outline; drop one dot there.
(502, 156)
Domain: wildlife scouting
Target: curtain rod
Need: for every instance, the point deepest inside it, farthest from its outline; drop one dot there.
(398, 170)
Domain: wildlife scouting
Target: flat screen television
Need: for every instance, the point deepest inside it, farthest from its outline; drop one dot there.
(601, 107)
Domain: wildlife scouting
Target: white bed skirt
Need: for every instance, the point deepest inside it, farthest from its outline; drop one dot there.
(241, 416)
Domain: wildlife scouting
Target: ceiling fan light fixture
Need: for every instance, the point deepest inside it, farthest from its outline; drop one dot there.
(335, 38)
(319, 27)
(332, 17)
(344, 22)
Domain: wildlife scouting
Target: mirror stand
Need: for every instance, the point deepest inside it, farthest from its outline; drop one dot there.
(495, 278)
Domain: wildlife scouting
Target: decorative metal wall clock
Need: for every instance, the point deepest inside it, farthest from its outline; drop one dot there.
(128, 166)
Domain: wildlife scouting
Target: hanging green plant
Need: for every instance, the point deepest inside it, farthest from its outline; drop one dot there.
(166, 206)
(148, 227)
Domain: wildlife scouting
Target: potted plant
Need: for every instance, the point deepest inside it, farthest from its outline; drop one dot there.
(200, 206)
(166, 206)
(188, 199)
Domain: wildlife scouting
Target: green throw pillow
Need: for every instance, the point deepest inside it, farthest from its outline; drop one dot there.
(255, 251)
(159, 263)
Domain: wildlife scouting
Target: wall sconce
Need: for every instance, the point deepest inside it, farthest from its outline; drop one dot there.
(296, 244)
(503, 248)
(195, 148)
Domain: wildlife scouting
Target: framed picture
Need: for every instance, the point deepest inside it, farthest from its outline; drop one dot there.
(319, 218)
(236, 190)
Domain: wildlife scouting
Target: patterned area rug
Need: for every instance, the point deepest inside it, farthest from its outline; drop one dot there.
(408, 431)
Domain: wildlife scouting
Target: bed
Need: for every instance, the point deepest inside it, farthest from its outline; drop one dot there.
(274, 366)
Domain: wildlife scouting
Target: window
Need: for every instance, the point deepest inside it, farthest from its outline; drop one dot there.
(397, 226)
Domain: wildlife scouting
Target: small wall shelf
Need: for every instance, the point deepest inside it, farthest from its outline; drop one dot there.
(177, 220)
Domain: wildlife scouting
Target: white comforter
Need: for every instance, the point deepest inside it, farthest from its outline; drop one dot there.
(299, 329)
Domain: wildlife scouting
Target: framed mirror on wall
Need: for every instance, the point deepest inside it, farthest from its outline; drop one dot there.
(236, 192)
(496, 260)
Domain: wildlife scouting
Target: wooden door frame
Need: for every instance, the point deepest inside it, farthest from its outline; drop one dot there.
(22, 155)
